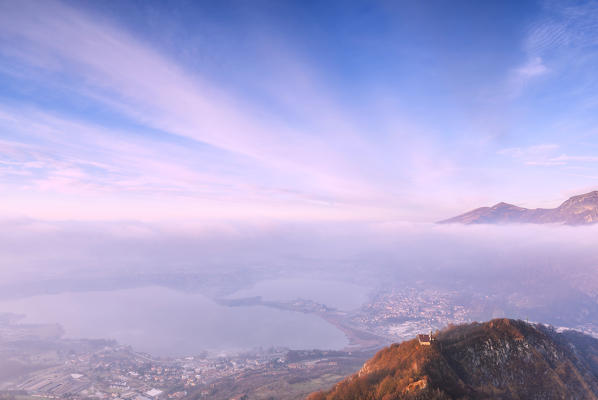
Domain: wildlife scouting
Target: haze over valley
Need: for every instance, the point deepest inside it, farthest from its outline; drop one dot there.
(232, 200)
(391, 280)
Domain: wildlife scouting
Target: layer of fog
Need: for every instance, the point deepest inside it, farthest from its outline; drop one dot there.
(535, 266)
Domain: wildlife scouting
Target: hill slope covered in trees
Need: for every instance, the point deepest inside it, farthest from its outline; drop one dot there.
(499, 359)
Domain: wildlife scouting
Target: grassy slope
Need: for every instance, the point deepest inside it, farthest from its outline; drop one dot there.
(501, 359)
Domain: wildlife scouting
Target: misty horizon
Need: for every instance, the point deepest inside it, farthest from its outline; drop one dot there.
(239, 200)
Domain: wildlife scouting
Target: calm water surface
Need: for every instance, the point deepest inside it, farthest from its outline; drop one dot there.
(166, 322)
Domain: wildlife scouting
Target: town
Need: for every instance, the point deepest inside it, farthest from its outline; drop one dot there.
(51, 367)
(48, 366)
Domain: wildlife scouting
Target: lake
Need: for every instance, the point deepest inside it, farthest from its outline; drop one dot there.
(167, 322)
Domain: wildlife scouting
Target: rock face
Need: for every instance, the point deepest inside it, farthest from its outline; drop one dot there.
(578, 210)
(500, 359)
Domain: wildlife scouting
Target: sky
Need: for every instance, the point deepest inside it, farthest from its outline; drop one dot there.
(294, 110)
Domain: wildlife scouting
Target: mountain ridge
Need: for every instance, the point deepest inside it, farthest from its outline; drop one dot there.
(577, 210)
(499, 359)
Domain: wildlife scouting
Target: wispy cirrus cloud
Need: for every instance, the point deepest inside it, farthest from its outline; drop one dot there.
(546, 155)
(79, 161)
(565, 25)
(111, 66)
(194, 139)
(102, 111)
(530, 151)
(557, 41)
(533, 68)
(521, 76)
(567, 158)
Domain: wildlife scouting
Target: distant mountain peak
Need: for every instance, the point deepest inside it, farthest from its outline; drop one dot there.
(503, 205)
(577, 210)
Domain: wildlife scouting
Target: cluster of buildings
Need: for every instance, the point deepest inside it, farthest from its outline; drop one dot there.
(401, 313)
(113, 372)
(119, 373)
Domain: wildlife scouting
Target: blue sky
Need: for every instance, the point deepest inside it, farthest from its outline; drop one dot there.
(306, 110)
